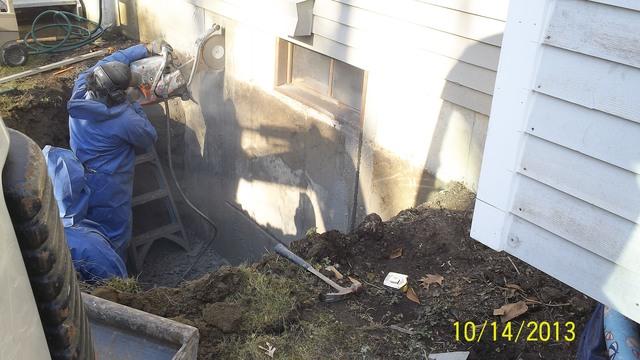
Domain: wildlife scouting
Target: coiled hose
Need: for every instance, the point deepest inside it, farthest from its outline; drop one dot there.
(75, 35)
(186, 199)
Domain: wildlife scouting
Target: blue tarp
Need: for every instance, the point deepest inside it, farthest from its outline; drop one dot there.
(104, 139)
(93, 257)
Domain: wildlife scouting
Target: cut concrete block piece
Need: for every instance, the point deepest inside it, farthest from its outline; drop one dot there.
(457, 355)
(122, 333)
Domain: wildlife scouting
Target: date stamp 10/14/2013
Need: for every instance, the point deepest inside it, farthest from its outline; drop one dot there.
(533, 331)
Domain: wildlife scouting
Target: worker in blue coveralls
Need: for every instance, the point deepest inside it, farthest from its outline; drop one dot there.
(105, 129)
(93, 257)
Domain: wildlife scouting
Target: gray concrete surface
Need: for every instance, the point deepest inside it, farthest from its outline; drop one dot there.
(267, 168)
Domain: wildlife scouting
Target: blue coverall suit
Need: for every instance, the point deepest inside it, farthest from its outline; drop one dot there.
(104, 139)
(92, 255)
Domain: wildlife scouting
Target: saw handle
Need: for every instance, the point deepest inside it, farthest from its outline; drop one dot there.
(283, 251)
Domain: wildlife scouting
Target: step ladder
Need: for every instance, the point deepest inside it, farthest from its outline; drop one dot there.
(173, 231)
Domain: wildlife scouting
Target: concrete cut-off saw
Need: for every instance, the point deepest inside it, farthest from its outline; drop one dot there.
(162, 76)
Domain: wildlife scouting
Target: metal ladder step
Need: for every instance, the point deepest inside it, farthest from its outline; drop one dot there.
(174, 231)
(150, 196)
(155, 234)
(141, 244)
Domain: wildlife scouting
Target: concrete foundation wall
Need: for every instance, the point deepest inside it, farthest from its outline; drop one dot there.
(265, 166)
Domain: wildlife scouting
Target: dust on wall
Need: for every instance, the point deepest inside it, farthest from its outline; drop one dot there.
(266, 167)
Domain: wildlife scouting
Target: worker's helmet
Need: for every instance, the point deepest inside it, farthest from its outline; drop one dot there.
(111, 80)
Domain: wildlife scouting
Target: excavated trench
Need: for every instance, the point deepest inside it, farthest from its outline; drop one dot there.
(37, 107)
(238, 310)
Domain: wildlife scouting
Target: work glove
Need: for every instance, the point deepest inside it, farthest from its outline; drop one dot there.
(156, 46)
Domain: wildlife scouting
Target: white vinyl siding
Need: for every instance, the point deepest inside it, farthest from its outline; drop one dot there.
(458, 50)
(457, 43)
(560, 183)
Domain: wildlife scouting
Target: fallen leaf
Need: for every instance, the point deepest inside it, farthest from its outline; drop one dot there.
(411, 295)
(511, 311)
(396, 253)
(512, 289)
(268, 350)
(335, 272)
(431, 279)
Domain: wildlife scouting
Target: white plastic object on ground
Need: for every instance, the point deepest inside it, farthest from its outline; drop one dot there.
(395, 280)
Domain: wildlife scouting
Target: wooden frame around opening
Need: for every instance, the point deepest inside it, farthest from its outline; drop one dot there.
(324, 103)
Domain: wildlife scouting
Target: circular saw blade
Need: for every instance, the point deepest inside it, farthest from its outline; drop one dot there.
(214, 51)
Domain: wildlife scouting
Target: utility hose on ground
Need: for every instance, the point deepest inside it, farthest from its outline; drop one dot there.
(75, 35)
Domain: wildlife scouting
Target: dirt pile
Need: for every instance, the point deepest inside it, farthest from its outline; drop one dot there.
(230, 305)
(39, 109)
(244, 312)
(37, 105)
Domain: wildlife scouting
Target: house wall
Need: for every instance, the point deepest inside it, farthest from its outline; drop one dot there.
(431, 67)
(560, 184)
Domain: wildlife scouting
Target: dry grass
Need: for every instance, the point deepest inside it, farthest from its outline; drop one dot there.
(308, 339)
(274, 307)
(127, 285)
(269, 300)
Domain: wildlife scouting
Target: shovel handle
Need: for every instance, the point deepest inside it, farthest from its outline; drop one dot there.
(283, 251)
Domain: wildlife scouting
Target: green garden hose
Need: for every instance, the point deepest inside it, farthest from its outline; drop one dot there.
(75, 35)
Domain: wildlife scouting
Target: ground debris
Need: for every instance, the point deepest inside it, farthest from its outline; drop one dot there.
(430, 279)
(371, 228)
(396, 253)
(402, 330)
(337, 274)
(511, 311)
(411, 295)
(269, 350)
(223, 316)
(275, 302)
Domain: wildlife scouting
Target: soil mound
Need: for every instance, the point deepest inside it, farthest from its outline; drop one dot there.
(40, 112)
(37, 105)
(244, 312)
